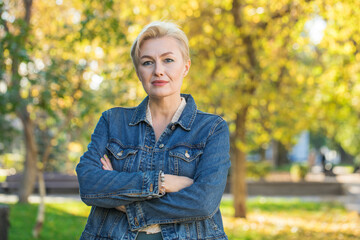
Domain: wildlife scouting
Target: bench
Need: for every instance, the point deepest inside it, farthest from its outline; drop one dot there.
(54, 183)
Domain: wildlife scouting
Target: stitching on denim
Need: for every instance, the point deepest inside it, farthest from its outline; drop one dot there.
(219, 120)
(117, 141)
(197, 225)
(198, 218)
(120, 193)
(184, 144)
(132, 122)
(114, 153)
(177, 155)
(116, 222)
(194, 110)
(141, 214)
(103, 220)
(129, 214)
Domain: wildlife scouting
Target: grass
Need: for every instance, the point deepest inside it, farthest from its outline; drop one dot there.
(282, 219)
(63, 220)
(267, 219)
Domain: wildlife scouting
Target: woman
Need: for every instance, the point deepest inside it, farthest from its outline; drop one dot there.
(156, 171)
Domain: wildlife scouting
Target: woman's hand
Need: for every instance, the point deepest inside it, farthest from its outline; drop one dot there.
(174, 183)
(121, 208)
(106, 163)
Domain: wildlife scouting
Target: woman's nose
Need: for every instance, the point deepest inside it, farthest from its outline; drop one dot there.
(159, 69)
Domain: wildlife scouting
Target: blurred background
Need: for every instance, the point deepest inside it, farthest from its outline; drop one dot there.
(284, 74)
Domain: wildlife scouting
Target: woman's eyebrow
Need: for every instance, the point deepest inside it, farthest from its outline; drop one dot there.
(167, 53)
(164, 54)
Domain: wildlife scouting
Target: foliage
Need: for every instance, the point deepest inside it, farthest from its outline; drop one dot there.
(267, 219)
(258, 170)
(2, 178)
(298, 171)
(283, 168)
(336, 102)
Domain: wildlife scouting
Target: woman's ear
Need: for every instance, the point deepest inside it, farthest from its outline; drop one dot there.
(187, 67)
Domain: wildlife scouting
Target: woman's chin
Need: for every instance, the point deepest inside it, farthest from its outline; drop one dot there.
(162, 94)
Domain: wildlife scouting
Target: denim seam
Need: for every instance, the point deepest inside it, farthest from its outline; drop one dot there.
(102, 222)
(141, 213)
(116, 221)
(120, 193)
(219, 120)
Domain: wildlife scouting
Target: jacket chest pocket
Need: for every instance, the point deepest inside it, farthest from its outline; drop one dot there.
(184, 160)
(122, 158)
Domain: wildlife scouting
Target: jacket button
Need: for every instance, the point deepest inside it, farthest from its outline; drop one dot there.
(120, 153)
(161, 145)
(187, 155)
(173, 127)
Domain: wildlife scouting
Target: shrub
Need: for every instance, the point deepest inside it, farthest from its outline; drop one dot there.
(257, 170)
(298, 172)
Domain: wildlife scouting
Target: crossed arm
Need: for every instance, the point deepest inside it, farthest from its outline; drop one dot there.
(172, 183)
(187, 200)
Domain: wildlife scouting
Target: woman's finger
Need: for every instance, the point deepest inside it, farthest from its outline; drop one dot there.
(103, 162)
(108, 162)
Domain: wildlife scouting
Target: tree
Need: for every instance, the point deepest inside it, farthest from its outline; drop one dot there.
(337, 101)
(247, 69)
(14, 45)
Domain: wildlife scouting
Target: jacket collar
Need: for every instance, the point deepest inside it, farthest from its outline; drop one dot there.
(185, 121)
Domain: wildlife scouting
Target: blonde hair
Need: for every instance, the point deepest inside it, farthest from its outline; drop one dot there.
(160, 29)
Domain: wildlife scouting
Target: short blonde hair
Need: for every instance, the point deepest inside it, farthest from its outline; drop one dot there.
(160, 29)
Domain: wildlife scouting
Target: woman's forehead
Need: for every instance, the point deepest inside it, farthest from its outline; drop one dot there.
(160, 46)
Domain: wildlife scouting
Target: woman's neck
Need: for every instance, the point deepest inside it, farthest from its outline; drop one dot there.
(164, 108)
(162, 111)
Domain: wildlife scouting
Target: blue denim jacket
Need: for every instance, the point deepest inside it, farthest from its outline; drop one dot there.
(196, 146)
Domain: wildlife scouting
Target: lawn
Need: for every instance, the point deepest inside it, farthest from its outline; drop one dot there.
(267, 219)
(281, 219)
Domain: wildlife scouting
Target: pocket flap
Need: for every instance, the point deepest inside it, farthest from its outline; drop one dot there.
(185, 153)
(120, 152)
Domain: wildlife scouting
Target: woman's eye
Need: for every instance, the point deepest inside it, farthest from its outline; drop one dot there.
(169, 60)
(146, 63)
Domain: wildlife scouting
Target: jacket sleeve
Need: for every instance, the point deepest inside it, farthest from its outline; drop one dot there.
(199, 201)
(110, 189)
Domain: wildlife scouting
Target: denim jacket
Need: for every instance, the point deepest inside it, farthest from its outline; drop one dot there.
(196, 146)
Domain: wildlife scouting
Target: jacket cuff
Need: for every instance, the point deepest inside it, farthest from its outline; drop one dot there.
(151, 185)
(135, 216)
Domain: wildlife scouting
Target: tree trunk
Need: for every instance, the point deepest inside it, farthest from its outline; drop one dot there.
(238, 183)
(31, 155)
(262, 154)
(40, 219)
(279, 154)
(4, 222)
(30, 165)
(41, 210)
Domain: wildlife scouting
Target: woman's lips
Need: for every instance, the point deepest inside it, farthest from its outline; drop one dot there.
(159, 83)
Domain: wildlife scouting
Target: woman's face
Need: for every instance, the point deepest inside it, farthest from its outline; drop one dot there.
(161, 67)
